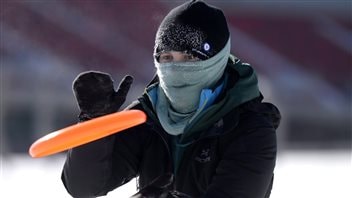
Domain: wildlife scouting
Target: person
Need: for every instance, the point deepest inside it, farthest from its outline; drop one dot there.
(208, 131)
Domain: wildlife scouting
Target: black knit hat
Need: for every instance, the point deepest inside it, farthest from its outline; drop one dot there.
(195, 27)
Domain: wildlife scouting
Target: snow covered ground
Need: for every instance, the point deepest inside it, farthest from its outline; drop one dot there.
(297, 175)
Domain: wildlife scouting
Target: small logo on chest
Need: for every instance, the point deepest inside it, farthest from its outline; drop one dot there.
(203, 156)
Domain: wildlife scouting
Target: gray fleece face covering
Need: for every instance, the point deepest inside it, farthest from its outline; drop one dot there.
(181, 84)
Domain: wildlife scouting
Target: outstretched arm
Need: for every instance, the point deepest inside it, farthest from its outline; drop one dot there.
(96, 168)
(88, 168)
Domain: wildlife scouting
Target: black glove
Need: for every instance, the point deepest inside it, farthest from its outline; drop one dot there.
(160, 188)
(96, 96)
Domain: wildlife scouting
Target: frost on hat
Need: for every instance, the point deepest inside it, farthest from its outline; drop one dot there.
(195, 27)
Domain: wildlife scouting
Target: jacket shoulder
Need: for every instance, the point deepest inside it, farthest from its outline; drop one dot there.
(266, 112)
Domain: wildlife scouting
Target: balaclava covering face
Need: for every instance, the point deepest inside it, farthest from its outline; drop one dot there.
(201, 30)
(182, 82)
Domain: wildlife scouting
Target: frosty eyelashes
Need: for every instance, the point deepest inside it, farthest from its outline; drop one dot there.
(184, 56)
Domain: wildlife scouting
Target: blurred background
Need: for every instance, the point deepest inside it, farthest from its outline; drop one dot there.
(301, 50)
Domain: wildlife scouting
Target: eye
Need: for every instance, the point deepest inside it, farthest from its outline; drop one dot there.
(190, 57)
(165, 58)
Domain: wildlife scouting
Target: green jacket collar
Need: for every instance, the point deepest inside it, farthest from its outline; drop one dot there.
(241, 87)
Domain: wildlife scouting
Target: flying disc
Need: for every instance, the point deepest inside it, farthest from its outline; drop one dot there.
(85, 132)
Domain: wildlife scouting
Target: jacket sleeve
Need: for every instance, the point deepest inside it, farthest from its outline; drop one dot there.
(98, 167)
(247, 165)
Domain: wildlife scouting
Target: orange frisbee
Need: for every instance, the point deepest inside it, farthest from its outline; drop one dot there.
(85, 132)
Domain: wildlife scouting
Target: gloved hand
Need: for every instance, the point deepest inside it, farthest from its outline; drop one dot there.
(96, 96)
(160, 188)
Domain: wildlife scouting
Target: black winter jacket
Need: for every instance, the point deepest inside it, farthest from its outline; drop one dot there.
(233, 156)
